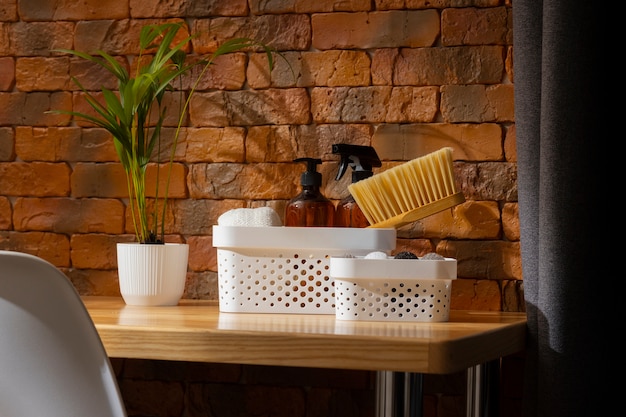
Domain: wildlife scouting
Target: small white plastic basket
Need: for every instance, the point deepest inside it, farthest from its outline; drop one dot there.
(279, 269)
(392, 289)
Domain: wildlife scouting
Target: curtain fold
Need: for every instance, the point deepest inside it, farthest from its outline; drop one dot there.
(559, 84)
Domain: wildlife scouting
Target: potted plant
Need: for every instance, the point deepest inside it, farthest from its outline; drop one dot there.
(134, 116)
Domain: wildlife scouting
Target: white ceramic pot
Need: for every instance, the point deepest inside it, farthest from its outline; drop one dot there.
(152, 275)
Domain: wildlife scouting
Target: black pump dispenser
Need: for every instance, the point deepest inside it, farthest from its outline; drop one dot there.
(361, 159)
(310, 207)
(310, 176)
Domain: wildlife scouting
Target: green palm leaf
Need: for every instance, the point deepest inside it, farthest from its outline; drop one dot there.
(126, 114)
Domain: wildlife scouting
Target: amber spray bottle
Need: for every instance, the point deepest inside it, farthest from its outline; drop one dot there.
(310, 208)
(361, 159)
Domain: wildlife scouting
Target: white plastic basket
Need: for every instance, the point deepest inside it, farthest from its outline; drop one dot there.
(281, 269)
(392, 289)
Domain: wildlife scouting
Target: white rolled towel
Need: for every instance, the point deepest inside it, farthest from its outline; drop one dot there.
(259, 216)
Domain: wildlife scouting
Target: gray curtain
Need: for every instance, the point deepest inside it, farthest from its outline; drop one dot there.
(562, 119)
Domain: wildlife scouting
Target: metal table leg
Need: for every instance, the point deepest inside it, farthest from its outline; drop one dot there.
(399, 394)
(482, 390)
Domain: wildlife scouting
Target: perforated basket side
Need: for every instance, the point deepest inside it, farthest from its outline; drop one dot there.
(275, 282)
(287, 269)
(422, 300)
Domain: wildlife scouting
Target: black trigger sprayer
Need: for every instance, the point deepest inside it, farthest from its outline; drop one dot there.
(362, 159)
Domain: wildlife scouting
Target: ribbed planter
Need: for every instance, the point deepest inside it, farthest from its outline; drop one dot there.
(152, 275)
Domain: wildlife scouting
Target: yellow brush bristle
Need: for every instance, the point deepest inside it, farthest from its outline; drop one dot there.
(408, 192)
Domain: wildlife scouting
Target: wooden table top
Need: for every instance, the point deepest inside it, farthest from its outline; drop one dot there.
(197, 331)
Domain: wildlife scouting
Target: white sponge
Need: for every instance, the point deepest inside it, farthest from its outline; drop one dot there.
(259, 216)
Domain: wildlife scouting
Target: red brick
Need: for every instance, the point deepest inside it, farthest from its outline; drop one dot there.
(510, 221)
(7, 72)
(41, 179)
(95, 282)
(53, 247)
(65, 215)
(79, 104)
(95, 251)
(309, 69)
(469, 220)
(259, 181)
(419, 247)
(513, 295)
(70, 144)
(196, 8)
(215, 144)
(473, 26)
(476, 103)
(202, 254)
(177, 179)
(284, 72)
(362, 30)
(226, 72)
(162, 153)
(70, 10)
(488, 259)
(469, 142)
(30, 108)
(286, 143)
(99, 180)
(201, 286)
(307, 6)
(510, 144)
(288, 32)
(41, 74)
(5, 214)
(487, 180)
(6, 144)
(198, 216)
(91, 76)
(508, 64)
(154, 397)
(109, 181)
(470, 294)
(115, 37)
(40, 38)
(500, 98)
(8, 12)
(249, 108)
(383, 63)
(422, 66)
(259, 7)
(374, 104)
(189, 217)
(427, 4)
(5, 35)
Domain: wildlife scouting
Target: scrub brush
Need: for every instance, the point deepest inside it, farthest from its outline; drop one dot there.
(408, 192)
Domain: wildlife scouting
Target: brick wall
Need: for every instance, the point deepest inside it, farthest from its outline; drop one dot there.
(405, 76)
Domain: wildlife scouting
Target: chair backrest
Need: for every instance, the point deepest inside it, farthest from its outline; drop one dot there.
(52, 361)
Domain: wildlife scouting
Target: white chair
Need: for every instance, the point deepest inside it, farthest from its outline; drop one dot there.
(52, 361)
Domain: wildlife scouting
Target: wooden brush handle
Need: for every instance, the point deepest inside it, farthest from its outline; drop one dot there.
(421, 212)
